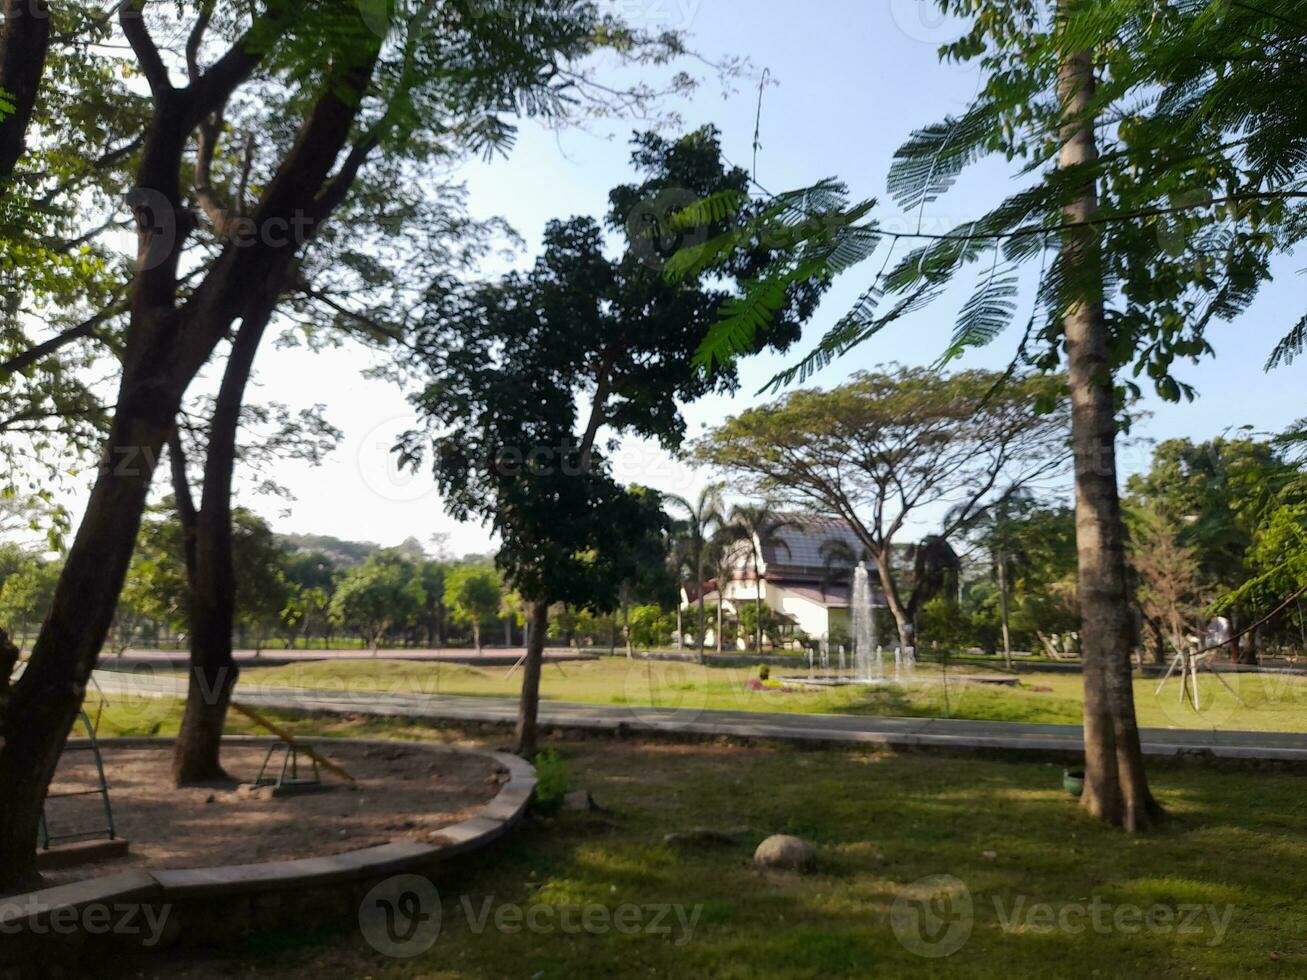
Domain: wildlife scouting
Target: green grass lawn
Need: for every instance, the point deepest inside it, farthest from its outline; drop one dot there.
(1234, 849)
(1271, 702)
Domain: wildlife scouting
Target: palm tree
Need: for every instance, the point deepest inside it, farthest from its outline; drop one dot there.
(758, 525)
(680, 563)
(936, 570)
(994, 527)
(705, 514)
(721, 552)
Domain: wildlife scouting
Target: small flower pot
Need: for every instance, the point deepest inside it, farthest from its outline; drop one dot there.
(1073, 781)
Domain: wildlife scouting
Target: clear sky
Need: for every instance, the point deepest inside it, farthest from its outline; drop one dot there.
(854, 78)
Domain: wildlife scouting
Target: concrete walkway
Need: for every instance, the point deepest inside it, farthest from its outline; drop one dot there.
(272, 657)
(687, 719)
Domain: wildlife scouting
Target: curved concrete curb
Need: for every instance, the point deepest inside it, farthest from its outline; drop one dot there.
(36, 911)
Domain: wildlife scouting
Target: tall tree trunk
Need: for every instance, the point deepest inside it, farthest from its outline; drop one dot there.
(44, 702)
(476, 636)
(626, 628)
(1157, 648)
(720, 621)
(702, 610)
(24, 42)
(1003, 606)
(1243, 649)
(529, 705)
(1116, 788)
(213, 673)
(902, 619)
(166, 346)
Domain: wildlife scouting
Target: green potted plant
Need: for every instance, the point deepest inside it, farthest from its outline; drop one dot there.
(1073, 781)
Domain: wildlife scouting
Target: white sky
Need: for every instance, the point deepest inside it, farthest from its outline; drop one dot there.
(855, 77)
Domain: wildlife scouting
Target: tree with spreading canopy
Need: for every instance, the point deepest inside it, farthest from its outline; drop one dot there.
(473, 595)
(527, 372)
(26, 595)
(877, 450)
(383, 593)
(367, 88)
(1142, 242)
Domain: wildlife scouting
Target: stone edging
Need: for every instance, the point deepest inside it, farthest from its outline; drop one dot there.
(236, 881)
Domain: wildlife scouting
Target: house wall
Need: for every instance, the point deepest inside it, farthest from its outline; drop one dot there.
(813, 618)
(810, 617)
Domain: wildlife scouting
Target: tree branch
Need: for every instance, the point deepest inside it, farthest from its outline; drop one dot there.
(84, 329)
(24, 41)
(196, 38)
(131, 18)
(214, 87)
(206, 146)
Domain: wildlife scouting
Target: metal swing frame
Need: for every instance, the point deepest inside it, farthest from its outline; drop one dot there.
(290, 768)
(102, 790)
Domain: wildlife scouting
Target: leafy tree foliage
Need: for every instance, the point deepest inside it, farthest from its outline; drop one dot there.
(26, 595)
(878, 449)
(526, 373)
(155, 588)
(382, 593)
(1220, 494)
(473, 595)
(1170, 578)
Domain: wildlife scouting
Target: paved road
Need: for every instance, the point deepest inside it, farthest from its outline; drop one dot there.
(687, 718)
(272, 657)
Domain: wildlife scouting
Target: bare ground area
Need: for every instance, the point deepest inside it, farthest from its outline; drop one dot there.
(400, 793)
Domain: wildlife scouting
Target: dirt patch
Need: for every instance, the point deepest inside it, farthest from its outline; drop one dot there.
(401, 793)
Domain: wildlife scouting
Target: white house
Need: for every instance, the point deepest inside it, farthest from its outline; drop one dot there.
(806, 577)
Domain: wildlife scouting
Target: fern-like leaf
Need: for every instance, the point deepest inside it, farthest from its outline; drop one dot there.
(1290, 348)
(743, 318)
(986, 314)
(711, 210)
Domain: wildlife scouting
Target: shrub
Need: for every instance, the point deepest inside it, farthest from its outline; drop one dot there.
(551, 785)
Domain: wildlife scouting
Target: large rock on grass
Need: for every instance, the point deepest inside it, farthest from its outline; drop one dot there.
(785, 853)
